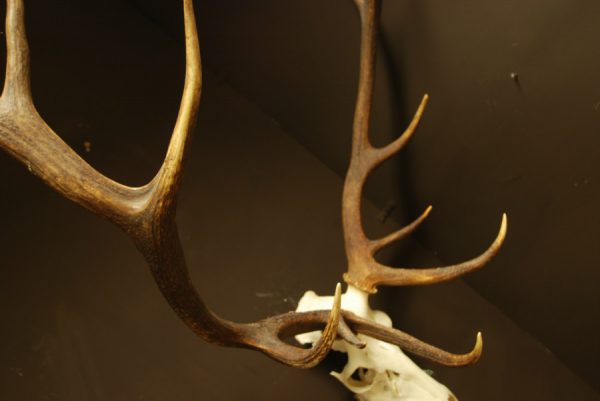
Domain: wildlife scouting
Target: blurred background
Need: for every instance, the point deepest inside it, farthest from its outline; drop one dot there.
(512, 126)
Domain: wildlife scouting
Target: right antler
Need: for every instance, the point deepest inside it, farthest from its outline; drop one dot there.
(147, 215)
(364, 271)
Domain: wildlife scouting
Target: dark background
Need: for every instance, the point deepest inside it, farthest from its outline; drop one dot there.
(259, 211)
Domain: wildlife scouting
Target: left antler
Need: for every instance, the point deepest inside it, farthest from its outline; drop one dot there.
(147, 213)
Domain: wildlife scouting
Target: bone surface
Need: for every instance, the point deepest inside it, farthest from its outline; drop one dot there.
(380, 371)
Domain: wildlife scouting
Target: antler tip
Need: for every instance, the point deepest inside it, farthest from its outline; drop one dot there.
(478, 348)
(338, 291)
(422, 106)
(336, 308)
(503, 229)
(479, 341)
(337, 298)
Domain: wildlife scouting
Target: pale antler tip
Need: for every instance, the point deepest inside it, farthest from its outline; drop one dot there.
(337, 298)
(503, 228)
(422, 106)
(478, 348)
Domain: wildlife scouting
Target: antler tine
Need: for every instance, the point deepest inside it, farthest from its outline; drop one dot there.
(416, 346)
(376, 245)
(363, 271)
(17, 82)
(381, 274)
(169, 176)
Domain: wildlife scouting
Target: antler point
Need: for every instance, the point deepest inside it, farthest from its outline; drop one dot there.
(478, 349)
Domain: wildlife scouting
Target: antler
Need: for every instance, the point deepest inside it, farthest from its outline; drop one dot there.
(147, 214)
(364, 271)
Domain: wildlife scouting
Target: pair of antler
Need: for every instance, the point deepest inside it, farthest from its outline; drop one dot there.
(147, 213)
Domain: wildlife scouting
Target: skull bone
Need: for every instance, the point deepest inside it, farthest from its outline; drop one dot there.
(380, 371)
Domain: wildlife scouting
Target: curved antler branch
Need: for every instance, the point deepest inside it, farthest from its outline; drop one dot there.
(147, 213)
(416, 346)
(166, 183)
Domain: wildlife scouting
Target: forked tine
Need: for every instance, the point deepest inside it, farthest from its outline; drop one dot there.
(385, 275)
(369, 273)
(27, 138)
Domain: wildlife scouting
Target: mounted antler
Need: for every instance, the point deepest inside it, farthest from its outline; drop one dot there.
(147, 215)
(383, 372)
(364, 272)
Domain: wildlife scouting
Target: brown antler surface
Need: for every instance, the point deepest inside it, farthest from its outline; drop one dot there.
(364, 271)
(147, 215)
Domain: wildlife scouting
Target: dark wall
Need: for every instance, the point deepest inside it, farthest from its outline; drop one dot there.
(84, 320)
(512, 126)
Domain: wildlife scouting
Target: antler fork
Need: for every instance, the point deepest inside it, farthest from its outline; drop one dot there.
(147, 214)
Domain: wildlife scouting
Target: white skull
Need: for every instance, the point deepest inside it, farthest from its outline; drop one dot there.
(380, 371)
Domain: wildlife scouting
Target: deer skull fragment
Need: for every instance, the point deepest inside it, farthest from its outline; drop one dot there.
(380, 371)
